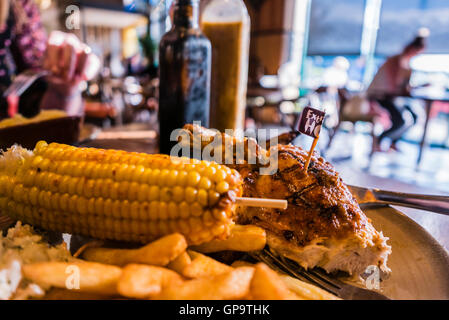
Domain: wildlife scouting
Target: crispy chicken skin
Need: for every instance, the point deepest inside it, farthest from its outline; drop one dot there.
(323, 224)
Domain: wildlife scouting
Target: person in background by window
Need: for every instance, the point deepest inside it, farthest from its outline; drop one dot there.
(392, 80)
(23, 45)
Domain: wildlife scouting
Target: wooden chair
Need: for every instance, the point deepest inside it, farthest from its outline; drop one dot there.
(343, 97)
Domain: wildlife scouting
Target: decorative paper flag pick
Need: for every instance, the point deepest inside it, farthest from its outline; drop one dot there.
(310, 124)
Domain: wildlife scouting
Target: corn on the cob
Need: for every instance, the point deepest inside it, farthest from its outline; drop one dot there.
(111, 194)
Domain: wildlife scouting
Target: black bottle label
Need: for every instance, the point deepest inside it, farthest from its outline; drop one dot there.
(196, 90)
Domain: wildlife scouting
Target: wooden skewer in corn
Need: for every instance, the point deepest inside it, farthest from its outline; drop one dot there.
(261, 202)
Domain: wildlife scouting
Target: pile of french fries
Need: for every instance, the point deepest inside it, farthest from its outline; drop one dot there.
(167, 269)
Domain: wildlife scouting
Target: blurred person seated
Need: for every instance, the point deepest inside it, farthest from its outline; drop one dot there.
(393, 80)
(23, 42)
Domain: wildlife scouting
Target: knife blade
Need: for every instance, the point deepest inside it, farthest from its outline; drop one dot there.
(432, 203)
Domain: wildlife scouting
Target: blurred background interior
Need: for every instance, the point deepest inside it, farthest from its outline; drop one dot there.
(304, 52)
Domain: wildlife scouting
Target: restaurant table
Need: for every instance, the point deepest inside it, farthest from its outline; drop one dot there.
(425, 94)
(436, 224)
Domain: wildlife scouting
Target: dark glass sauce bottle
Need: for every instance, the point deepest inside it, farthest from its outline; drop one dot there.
(184, 71)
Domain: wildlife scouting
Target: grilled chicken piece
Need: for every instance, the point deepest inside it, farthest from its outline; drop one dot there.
(323, 225)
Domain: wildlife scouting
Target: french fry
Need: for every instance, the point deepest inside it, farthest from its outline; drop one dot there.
(143, 281)
(203, 266)
(242, 238)
(267, 285)
(78, 276)
(158, 253)
(305, 290)
(182, 261)
(231, 285)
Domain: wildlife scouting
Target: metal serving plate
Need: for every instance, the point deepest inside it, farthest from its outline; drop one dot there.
(419, 264)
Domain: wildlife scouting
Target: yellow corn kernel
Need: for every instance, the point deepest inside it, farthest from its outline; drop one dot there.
(43, 166)
(88, 169)
(195, 224)
(220, 215)
(181, 179)
(222, 187)
(154, 210)
(29, 180)
(125, 209)
(173, 210)
(145, 176)
(193, 178)
(137, 173)
(105, 187)
(33, 196)
(196, 209)
(154, 177)
(213, 197)
(209, 172)
(219, 176)
(208, 218)
(190, 194)
(143, 211)
(133, 191)
(64, 202)
(184, 210)
(55, 201)
(163, 211)
(163, 177)
(122, 172)
(183, 226)
(80, 186)
(153, 193)
(99, 206)
(134, 210)
(178, 194)
(40, 146)
(82, 205)
(122, 192)
(72, 186)
(142, 194)
(18, 193)
(202, 197)
(73, 203)
(116, 209)
(91, 206)
(166, 194)
(107, 207)
(205, 183)
(98, 188)
(171, 178)
(161, 227)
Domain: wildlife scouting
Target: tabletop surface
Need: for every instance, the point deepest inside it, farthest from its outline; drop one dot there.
(436, 224)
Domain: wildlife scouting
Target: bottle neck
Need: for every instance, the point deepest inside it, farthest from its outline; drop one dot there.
(186, 14)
